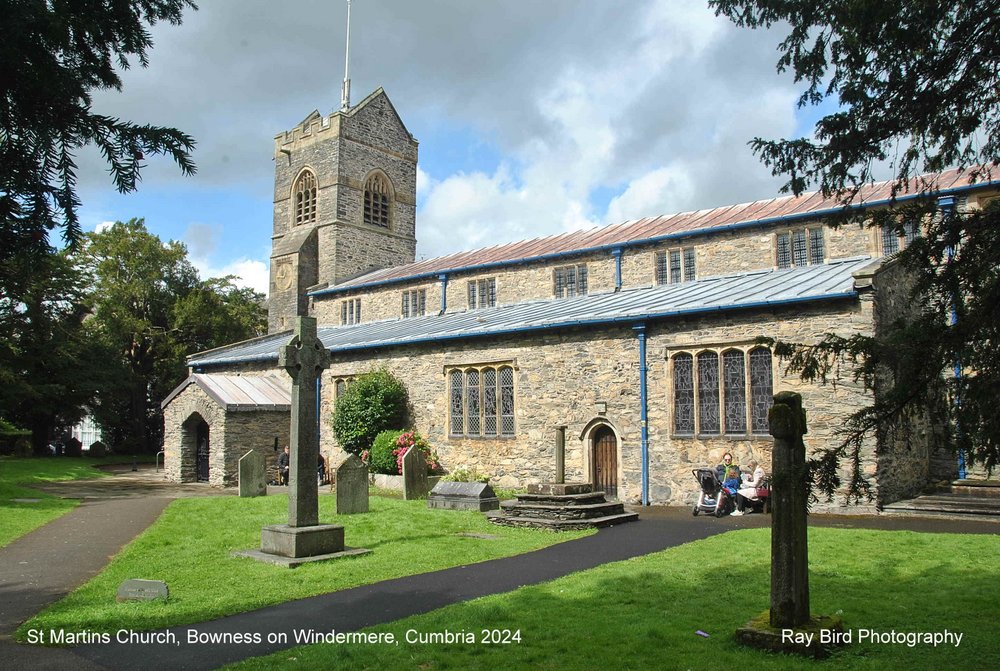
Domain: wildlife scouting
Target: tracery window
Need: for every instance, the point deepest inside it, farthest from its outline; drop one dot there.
(727, 392)
(305, 198)
(801, 247)
(481, 401)
(377, 198)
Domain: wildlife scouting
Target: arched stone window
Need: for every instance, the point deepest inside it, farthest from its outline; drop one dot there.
(378, 195)
(305, 198)
(734, 391)
(761, 389)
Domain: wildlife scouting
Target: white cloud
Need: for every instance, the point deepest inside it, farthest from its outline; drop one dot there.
(657, 192)
(251, 273)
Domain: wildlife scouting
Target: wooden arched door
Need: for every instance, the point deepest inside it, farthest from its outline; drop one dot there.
(605, 461)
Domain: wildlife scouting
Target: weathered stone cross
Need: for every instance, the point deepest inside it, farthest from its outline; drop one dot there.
(304, 357)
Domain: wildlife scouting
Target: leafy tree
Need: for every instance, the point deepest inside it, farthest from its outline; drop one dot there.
(48, 368)
(375, 402)
(151, 309)
(52, 56)
(916, 87)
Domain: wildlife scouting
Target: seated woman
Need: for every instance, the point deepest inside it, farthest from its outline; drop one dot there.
(748, 490)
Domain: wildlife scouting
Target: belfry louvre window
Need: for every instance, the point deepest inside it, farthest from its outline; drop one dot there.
(675, 265)
(305, 198)
(350, 311)
(569, 281)
(802, 247)
(725, 392)
(483, 293)
(414, 303)
(377, 201)
(481, 402)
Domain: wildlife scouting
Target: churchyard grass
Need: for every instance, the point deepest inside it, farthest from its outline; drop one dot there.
(644, 613)
(189, 547)
(16, 477)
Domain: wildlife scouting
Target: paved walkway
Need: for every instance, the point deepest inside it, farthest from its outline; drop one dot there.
(43, 566)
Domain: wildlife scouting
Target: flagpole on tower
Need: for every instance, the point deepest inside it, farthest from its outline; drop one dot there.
(345, 90)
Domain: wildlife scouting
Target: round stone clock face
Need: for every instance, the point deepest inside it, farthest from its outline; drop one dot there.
(283, 276)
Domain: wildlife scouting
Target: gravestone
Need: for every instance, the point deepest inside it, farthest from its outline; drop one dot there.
(303, 539)
(142, 590)
(414, 474)
(98, 449)
(253, 474)
(463, 496)
(789, 497)
(352, 486)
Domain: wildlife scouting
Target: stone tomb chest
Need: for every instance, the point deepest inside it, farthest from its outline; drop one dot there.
(463, 496)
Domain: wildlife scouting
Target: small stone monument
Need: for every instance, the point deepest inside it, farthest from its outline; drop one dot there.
(477, 496)
(303, 539)
(352, 486)
(414, 474)
(142, 590)
(253, 474)
(98, 449)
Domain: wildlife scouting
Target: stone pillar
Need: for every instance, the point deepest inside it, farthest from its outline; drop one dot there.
(560, 455)
(789, 492)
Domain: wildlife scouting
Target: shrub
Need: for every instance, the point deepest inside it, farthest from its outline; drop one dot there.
(410, 439)
(375, 402)
(466, 475)
(382, 458)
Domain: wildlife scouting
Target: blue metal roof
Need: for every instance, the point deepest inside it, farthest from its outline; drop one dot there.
(738, 291)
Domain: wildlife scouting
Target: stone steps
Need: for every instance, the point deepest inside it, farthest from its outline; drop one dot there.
(969, 499)
(560, 524)
(562, 511)
(561, 506)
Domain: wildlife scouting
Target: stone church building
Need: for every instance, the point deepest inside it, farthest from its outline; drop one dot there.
(637, 342)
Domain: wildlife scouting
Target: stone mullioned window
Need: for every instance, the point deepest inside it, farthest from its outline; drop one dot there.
(569, 281)
(483, 293)
(414, 303)
(377, 199)
(340, 385)
(675, 265)
(305, 198)
(350, 311)
(481, 401)
(800, 247)
(721, 392)
(892, 241)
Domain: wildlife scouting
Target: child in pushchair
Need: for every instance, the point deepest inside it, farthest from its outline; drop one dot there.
(714, 497)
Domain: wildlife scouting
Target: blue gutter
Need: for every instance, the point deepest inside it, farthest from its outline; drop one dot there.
(755, 223)
(947, 205)
(444, 291)
(617, 253)
(640, 332)
(545, 327)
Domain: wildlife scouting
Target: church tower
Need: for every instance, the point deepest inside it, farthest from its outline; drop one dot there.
(345, 192)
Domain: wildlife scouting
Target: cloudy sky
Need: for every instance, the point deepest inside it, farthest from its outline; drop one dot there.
(533, 117)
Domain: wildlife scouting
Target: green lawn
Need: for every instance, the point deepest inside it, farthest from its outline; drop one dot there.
(16, 476)
(189, 547)
(643, 613)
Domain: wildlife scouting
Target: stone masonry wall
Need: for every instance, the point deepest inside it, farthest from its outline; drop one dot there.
(179, 459)
(583, 378)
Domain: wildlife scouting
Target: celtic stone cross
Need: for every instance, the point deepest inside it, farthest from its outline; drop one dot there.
(304, 357)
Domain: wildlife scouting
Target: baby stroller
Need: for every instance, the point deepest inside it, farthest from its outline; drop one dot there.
(712, 499)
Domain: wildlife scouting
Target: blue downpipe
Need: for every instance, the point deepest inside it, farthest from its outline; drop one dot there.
(640, 331)
(947, 205)
(444, 292)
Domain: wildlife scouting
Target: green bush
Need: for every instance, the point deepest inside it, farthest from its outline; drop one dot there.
(466, 475)
(382, 457)
(375, 402)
